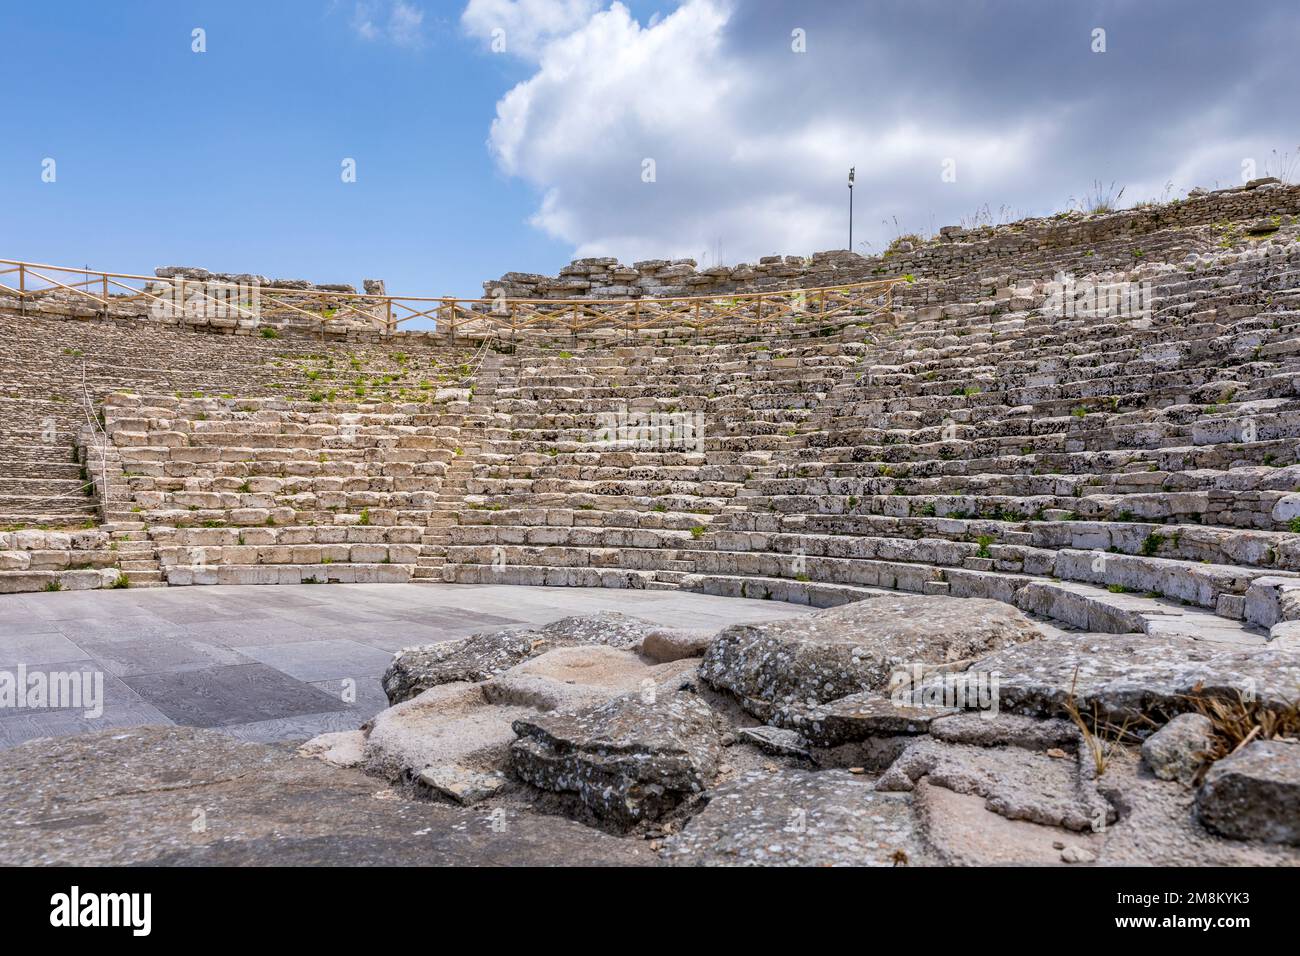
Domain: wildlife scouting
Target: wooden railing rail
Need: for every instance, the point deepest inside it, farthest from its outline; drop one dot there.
(742, 312)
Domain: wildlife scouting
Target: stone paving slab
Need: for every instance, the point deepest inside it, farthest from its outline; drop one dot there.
(20, 729)
(115, 692)
(136, 657)
(19, 645)
(365, 695)
(323, 660)
(267, 664)
(221, 696)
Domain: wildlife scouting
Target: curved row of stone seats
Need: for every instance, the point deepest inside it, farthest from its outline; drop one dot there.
(62, 367)
(981, 492)
(1175, 429)
(42, 560)
(602, 463)
(989, 424)
(264, 491)
(59, 356)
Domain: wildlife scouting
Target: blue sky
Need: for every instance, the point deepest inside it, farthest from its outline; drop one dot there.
(230, 159)
(471, 163)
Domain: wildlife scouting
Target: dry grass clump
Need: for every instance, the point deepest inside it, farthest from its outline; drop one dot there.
(1235, 722)
(1102, 737)
(1238, 722)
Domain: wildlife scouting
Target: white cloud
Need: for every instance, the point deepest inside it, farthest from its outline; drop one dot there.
(526, 25)
(397, 22)
(752, 141)
(730, 169)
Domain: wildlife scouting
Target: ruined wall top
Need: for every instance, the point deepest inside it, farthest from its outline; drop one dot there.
(955, 251)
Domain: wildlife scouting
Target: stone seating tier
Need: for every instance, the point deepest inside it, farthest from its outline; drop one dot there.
(1108, 469)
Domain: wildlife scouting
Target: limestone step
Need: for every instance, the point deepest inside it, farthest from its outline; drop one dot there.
(145, 579)
(288, 574)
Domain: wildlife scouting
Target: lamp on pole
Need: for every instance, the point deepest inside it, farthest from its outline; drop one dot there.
(851, 168)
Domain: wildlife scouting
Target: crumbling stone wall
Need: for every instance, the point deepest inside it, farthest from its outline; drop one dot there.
(1033, 247)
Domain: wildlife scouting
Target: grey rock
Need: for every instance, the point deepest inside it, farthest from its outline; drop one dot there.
(187, 272)
(605, 627)
(665, 645)
(129, 796)
(1157, 827)
(775, 740)
(1129, 675)
(627, 760)
(571, 678)
(341, 749)
(447, 725)
(1015, 783)
(1177, 750)
(774, 667)
(466, 787)
(1005, 730)
(474, 658)
(799, 818)
(861, 716)
(485, 655)
(1254, 794)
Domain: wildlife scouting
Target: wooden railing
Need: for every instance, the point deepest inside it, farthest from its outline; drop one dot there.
(741, 313)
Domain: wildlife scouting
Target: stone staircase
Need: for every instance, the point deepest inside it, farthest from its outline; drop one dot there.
(476, 425)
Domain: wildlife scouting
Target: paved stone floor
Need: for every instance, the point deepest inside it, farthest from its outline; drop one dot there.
(280, 663)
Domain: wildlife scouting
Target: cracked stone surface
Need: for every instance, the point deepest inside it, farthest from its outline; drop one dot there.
(569, 678)
(1127, 675)
(120, 797)
(1005, 730)
(1254, 794)
(628, 759)
(861, 716)
(1016, 783)
(344, 748)
(469, 659)
(1158, 825)
(775, 740)
(776, 666)
(799, 818)
(450, 725)
(483, 656)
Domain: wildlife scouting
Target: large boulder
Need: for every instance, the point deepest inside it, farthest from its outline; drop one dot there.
(483, 656)
(630, 759)
(777, 667)
(1254, 794)
(799, 818)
